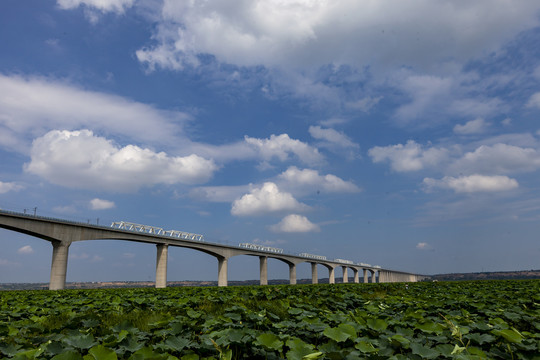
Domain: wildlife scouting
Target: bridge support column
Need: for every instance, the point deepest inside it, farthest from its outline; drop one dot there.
(356, 279)
(365, 276)
(314, 276)
(345, 274)
(331, 276)
(59, 265)
(161, 265)
(292, 274)
(263, 270)
(372, 277)
(222, 271)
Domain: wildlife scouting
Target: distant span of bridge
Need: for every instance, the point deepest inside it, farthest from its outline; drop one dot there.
(61, 233)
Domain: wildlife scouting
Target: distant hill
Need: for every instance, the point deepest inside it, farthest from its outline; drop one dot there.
(498, 275)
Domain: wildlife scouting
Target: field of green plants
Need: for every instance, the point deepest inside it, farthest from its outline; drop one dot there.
(441, 320)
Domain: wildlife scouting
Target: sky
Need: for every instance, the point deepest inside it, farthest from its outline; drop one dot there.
(400, 134)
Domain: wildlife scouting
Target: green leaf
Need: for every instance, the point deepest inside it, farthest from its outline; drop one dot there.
(100, 352)
(194, 314)
(340, 333)
(68, 355)
(270, 341)
(366, 347)
(148, 353)
(424, 351)
(190, 357)
(458, 350)
(481, 338)
(430, 327)
(82, 341)
(376, 324)
(177, 343)
(315, 355)
(298, 349)
(9, 349)
(510, 335)
(402, 341)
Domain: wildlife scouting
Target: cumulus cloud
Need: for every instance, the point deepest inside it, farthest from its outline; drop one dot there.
(534, 101)
(475, 126)
(266, 199)
(295, 223)
(79, 159)
(310, 180)
(9, 186)
(310, 34)
(498, 159)
(332, 139)
(94, 7)
(100, 204)
(32, 106)
(435, 97)
(473, 183)
(27, 249)
(281, 146)
(409, 157)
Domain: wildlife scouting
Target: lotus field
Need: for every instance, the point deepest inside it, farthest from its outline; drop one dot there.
(441, 320)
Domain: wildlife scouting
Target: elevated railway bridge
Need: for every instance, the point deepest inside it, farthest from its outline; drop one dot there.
(62, 233)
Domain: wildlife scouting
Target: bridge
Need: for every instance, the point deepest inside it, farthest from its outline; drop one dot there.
(61, 233)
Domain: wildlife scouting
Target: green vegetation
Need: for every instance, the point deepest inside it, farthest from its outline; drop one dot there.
(461, 320)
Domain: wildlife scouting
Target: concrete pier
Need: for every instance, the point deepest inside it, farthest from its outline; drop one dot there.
(161, 265)
(222, 271)
(263, 270)
(292, 274)
(365, 276)
(345, 275)
(331, 276)
(355, 272)
(59, 265)
(314, 276)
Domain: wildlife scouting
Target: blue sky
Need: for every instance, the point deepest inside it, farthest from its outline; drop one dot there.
(397, 134)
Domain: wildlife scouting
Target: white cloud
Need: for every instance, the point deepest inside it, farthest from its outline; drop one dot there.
(79, 159)
(266, 199)
(128, 255)
(295, 223)
(507, 122)
(332, 139)
(496, 159)
(9, 186)
(5, 262)
(409, 157)
(475, 126)
(534, 100)
(86, 257)
(364, 104)
(32, 106)
(434, 98)
(27, 249)
(218, 193)
(281, 146)
(100, 204)
(117, 6)
(311, 181)
(473, 183)
(306, 33)
(423, 246)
